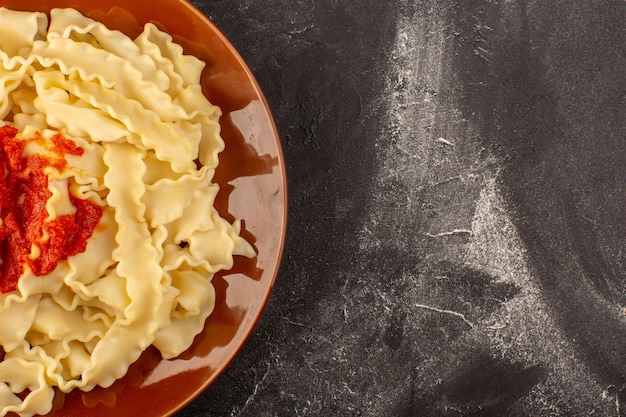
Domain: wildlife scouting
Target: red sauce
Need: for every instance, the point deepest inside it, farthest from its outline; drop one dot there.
(23, 196)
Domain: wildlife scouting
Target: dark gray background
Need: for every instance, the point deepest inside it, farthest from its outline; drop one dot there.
(456, 242)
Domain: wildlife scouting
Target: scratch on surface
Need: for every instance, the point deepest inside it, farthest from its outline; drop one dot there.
(589, 220)
(295, 323)
(299, 31)
(613, 392)
(443, 311)
(346, 299)
(445, 141)
(451, 233)
(445, 181)
(255, 391)
(481, 53)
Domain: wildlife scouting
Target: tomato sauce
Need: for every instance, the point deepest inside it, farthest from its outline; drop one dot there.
(23, 196)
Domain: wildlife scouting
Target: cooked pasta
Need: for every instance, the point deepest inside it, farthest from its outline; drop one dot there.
(109, 147)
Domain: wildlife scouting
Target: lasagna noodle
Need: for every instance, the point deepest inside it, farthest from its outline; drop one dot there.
(136, 108)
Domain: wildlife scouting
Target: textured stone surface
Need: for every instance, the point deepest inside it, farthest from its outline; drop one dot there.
(457, 242)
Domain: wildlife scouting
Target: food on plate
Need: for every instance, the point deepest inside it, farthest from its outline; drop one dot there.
(109, 235)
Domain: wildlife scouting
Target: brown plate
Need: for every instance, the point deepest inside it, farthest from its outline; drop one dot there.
(252, 179)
